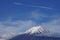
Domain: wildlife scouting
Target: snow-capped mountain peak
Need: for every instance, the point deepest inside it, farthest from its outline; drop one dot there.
(40, 31)
(36, 29)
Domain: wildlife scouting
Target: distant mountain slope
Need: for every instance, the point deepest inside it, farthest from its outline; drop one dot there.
(37, 29)
(32, 37)
(37, 33)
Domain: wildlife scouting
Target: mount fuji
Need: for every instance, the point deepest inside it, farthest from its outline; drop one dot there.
(37, 33)
(40, 31)
(37, 30)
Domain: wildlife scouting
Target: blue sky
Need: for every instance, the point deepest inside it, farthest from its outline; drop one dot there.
(20, 15)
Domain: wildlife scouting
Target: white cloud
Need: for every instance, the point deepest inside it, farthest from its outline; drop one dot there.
(10, 28)
(15, 26)
(37, 15)
(44, 7)
(18, 3)
(53, 25)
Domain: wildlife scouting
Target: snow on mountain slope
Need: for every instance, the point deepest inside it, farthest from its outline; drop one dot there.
(37, 29)
(40, 31)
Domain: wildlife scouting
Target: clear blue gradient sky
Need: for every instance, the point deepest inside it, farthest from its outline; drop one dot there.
(20, 15)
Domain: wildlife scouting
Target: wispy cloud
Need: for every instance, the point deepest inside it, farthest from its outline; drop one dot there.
(44, 7)
(53, 25)
(9, 28)
(37, 15)
(18, 3)
(16, 26)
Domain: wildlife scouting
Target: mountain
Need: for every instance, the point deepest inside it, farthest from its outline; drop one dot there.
(36, 30)
(40, 31)
(37, 33)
